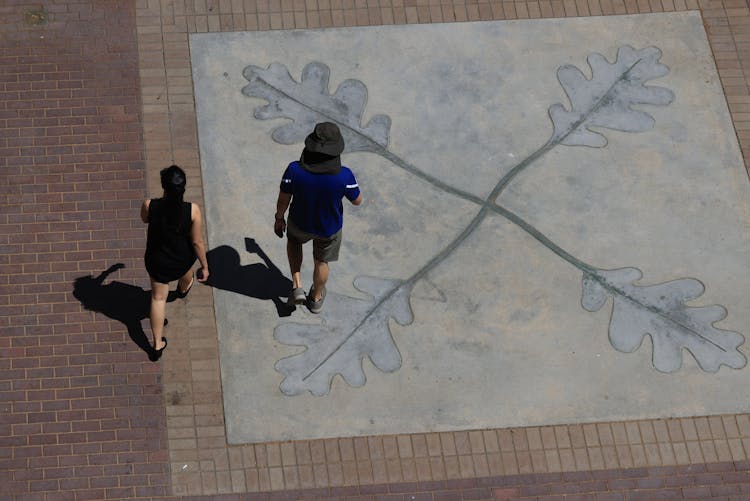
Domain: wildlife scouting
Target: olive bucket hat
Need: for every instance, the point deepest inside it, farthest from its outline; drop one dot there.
(323, 148)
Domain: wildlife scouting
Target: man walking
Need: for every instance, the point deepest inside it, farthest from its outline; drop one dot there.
(315, 186)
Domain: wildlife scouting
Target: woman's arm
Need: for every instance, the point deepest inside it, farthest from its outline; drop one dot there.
(144, 210)
(196, 233)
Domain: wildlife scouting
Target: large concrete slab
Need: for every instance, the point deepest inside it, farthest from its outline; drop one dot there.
(461, 301)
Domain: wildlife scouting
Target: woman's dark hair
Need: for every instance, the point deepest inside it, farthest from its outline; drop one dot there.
(173, 181)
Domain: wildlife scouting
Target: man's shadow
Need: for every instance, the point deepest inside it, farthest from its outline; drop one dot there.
(119, 301)
(260, 280)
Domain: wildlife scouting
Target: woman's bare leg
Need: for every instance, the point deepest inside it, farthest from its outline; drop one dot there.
(159, 294)
(185, 281)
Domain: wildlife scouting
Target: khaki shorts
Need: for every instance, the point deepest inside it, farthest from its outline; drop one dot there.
(324, 249)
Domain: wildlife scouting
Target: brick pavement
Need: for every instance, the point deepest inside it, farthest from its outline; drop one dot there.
(719, 481)
(94, 103)
(81, 412)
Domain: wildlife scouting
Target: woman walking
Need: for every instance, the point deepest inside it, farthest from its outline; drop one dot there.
(174, 241)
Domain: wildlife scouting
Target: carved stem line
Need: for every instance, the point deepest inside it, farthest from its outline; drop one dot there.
(542, 239)
(487, 204)
(554, 141)
(613, 289)
(400, 162)
(594, 273)
(408, 282)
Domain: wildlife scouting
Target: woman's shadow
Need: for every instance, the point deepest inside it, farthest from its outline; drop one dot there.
(260, 280)
(130, 304)
(119, 301)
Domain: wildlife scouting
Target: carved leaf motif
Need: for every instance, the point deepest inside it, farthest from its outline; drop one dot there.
(309, 102)
(660, 311)
(607, 98)
(351, 330)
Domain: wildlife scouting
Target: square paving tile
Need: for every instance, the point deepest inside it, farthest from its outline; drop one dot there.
(476, 284)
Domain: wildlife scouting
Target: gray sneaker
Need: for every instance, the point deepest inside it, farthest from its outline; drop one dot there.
(297, 296)
(315, 306)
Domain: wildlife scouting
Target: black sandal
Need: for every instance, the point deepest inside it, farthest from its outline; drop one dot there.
(158, 353)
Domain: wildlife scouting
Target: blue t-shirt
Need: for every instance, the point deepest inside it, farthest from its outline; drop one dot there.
(316, 198)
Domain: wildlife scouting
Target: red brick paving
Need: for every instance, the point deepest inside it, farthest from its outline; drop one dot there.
(81, 411)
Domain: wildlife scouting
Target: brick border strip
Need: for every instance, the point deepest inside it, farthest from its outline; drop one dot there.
(728, 481)
(201, 461)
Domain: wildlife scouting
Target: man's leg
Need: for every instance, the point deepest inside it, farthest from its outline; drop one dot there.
(325, 250)
(294, 253)
(320, 277)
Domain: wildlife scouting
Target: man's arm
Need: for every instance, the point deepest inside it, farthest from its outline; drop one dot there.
(352, 189)
(282, 204)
